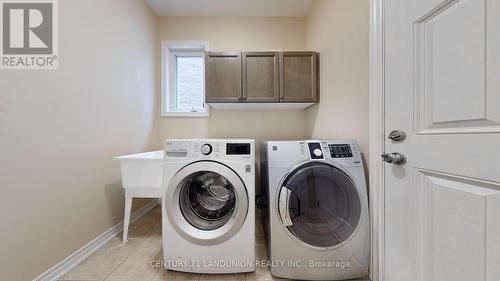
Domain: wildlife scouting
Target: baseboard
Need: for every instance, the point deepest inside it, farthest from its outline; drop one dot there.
(64, 266)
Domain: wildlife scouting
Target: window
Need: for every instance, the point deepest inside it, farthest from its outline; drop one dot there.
(183, 79)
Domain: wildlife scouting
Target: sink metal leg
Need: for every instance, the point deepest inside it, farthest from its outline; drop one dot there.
(126, 220)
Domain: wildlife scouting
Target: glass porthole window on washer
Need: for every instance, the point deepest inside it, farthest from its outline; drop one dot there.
(323, 205)
(207, 200)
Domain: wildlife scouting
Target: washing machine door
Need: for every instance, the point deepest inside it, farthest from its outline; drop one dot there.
(319, 205)
(206, 202)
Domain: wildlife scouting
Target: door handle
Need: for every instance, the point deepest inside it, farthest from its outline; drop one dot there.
(395, 158)
(283, 206)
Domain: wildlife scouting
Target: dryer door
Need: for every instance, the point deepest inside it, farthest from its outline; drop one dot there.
(319, 205)
(206, 202)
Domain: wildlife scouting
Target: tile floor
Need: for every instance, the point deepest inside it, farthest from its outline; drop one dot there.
(131, 261)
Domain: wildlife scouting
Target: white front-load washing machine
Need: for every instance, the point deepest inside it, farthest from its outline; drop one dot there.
(208, 210)
(317, 221)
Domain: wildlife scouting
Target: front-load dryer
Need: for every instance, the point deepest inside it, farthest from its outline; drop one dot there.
(317, 221)
(208, 218)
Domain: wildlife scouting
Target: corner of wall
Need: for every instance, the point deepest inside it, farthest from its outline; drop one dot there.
(339, 30)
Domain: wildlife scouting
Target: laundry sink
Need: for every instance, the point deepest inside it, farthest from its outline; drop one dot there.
(141, 177)
(142, 172)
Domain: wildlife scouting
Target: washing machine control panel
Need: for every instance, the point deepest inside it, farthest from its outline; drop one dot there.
(210, 149)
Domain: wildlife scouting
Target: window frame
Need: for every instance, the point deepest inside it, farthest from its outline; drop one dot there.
(169, 52)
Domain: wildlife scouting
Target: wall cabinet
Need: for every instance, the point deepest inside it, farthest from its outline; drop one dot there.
(299, 77)
(262, 77)
(223, 77)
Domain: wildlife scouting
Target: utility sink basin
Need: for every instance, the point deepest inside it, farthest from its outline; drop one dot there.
(141, 177)
(142, 172)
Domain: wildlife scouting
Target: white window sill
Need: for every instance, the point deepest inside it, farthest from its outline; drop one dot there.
(205, 114)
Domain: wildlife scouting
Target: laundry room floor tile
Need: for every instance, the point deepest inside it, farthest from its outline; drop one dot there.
(222, 277)
(260, 274)
(260, 249)
(132, 261)
(259, 226)
(169, 275)
(138, 265)
(147, 225)
(101, 263)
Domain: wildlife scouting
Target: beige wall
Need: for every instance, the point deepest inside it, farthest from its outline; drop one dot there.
(339, 30)
(249, 34)
(60, 129)
(229, 34)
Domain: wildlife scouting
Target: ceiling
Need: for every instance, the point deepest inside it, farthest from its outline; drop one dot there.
(230, 8)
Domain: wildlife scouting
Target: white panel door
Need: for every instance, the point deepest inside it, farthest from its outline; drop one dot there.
(442, 87)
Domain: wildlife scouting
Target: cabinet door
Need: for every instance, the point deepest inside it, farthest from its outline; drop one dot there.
(223, 77)
(260, 77)
(299, 77)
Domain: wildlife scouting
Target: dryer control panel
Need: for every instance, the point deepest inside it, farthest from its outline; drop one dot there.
(345, 152)
(340, 150)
